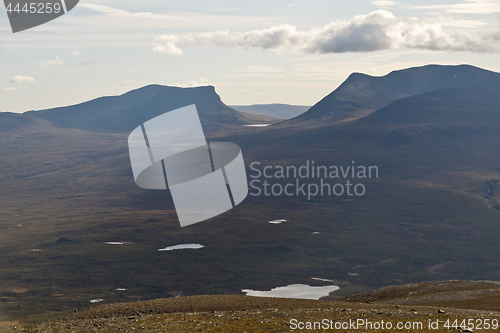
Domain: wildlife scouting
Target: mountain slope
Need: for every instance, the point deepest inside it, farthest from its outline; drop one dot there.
(14, 122)
(231, 313)
(362, 94)
(453, 117)
(125, 112)
(447, 105)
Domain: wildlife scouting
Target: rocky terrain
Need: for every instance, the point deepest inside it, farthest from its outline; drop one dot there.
(408, 305)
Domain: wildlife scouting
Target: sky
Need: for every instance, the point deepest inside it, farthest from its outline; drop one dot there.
(253, 52)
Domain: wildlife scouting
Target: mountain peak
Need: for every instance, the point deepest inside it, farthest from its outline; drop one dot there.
(361, 94)
(125, 112)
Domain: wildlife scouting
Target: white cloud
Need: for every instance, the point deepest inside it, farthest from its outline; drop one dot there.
(79, 56)
(22, 79)
(110, 11)
(8, 89)
(202, 82)
(129, 81)
(51, 62)
(384, 3)
(459, 22)
(165, 44)
(467, 7)
(378, 30)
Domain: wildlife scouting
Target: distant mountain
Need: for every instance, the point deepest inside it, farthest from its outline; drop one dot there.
(447, 105)
(14, 121)
(284, 111)
(125, 112)
(362, 94)
(453, 117)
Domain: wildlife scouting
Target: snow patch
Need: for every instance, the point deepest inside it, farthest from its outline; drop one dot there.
(182, 247)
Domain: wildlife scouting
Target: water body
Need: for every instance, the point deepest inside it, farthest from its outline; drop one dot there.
(302, 291)
(320, 279)
(114, 243)
(182, 247)
(257, 125)
(277, 221)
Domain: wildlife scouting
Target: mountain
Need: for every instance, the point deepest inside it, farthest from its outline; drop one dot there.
(362, 94)
(454, 117)
(75, 227)
(284, 111)
(124, 113)
(446, 105)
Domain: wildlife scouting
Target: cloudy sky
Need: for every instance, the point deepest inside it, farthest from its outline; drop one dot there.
(253, 52)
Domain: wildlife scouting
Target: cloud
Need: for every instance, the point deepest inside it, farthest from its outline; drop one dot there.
(467, 7)
(8, 89)
(79, 56)
(51, 62)
(165, 44)
(378, 30)
(129, 82)
(191, 84)
(458, 22)
(110, 11)
(22, 79)
(384, 3)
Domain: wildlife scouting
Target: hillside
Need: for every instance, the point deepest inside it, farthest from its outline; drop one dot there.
(10, 122)
(479, 295)
(253, 314)
(447, 105)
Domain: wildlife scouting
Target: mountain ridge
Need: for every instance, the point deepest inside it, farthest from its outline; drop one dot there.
(361, 94)
(125, 112)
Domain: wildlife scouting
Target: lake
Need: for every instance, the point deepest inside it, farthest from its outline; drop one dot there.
(294, 291)
(182, 247)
